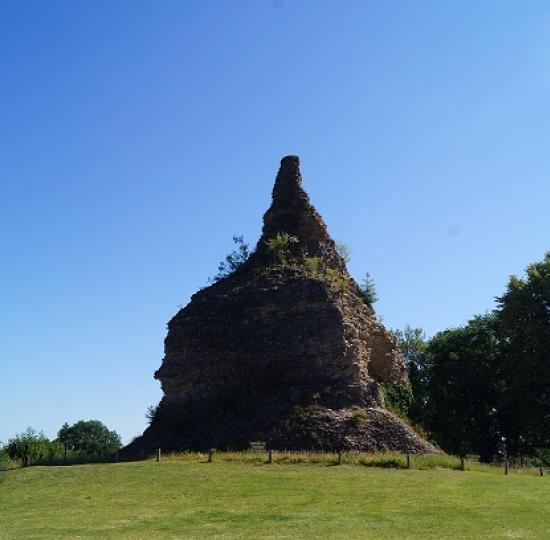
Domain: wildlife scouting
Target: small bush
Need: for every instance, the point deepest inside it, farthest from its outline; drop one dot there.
(358, 418)
(280, 245)
(312, 266)
(151, 413)
(31, 446)
(343, 252)
(235, 259)
(303, 413)
(172, 415)
(337, 281)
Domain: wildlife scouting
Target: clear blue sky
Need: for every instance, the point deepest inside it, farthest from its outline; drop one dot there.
(137, 137)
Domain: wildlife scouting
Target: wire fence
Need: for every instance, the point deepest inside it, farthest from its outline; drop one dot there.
(259, 454)
(387, 460)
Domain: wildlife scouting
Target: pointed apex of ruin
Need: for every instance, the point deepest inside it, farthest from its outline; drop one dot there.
(290, 160)
(290, 164)
(288, 183)
(291, 212)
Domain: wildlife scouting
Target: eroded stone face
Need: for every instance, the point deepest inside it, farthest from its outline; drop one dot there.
(279, 352)
(266, 339)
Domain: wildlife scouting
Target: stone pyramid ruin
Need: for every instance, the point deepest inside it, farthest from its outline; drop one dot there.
(284, 350)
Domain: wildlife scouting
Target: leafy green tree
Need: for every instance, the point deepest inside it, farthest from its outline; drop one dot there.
(31, 446)
(368, 288)
(490, 379)
(235, 259)
(523, 315)
(463, 388)
(398, 398)
(413, 344)
(89, 438)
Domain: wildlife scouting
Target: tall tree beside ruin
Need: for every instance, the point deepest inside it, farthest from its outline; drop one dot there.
(461, 373)
(524, 319)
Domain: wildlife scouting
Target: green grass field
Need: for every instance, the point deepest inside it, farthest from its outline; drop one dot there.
(184, 497)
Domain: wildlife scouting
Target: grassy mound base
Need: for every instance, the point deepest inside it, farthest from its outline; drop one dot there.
(185, 497)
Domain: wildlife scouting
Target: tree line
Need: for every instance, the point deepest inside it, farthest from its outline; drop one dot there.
(84, 440)
(484, 388)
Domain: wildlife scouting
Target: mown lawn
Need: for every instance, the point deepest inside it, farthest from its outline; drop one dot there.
(183, 499)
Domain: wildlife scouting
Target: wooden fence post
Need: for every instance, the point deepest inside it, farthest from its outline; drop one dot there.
(210, 455)
(541, 471)
(339, 457)
(408, 461)
(462, 463)
(158, 455)
(270, 456)
(505, 466)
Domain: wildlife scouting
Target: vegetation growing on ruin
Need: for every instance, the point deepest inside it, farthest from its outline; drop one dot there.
(359, 417)
(280, 246)
(343, 252)
(306, 266)
(173, 415)
(302, 413)
(233, 260)
(368, 289)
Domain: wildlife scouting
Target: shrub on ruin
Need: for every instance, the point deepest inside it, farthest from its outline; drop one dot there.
(172, 415)
(302, 413)
(368, 289)
(312, 266)
(358, 417)
(151, 413)
(344, 252)
(337, 280)
(235, 259)
(280, 246)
